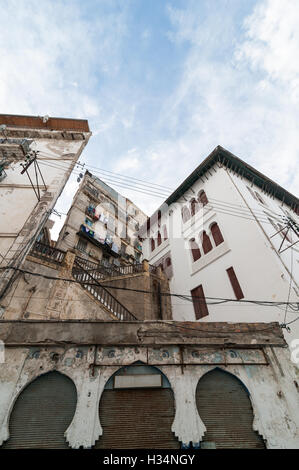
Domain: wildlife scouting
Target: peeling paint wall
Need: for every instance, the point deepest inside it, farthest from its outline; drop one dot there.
(36, 297)
(22, 215)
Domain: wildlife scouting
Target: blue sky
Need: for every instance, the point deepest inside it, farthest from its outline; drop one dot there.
(162, 83)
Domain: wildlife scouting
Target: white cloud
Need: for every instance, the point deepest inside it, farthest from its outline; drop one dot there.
(272, 43)
(50, 55)
(240, 101)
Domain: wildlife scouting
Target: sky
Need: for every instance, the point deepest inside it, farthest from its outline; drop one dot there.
(161, 82)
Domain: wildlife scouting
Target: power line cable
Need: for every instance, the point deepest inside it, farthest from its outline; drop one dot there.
(168, 294)
(220, 206)
(165, 190)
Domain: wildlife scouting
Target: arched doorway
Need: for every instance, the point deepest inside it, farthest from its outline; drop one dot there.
(42, 413)
(224, 406)
(137, 410)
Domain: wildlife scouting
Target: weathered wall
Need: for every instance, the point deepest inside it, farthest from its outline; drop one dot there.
(145, 306)
(39, 298)
(22, 215)
(273, 393)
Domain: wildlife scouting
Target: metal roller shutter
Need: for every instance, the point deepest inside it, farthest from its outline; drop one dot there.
(225, 408)
(42, 413)
(137, 419)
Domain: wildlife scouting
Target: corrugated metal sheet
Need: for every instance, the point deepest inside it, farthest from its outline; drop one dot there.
(137, 419)
(42, 413)
(225, 408)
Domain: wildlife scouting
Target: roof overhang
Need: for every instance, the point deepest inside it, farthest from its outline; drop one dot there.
(226, 158)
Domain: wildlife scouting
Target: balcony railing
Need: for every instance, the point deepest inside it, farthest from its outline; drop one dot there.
(47, 252)
(103, 269)
(89, 280)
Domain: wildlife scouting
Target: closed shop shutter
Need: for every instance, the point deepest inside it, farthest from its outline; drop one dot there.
(137, 419)
(42, 413)
(225, 408)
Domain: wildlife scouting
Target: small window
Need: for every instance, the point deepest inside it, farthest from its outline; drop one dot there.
(194, 207)
(148, 226)
(206, 243)
(82, 245)
(199, 303)
(159, 218)
(235, 283)
(202, 198)
(152, 244)
(194, 249)
(185, 214)
(165, 235)
(216, 234)
(168, 262)
(159, 239)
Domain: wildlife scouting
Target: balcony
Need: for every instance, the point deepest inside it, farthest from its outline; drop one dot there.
(91, 192)
(91, 212)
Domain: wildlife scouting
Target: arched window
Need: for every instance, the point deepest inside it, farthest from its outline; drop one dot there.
(159, 218)
(152, 244)
(165, 235)
(185, 214)
(159, 239)
(206, 243)
(168, 262)
(216, 233)
(202, 198)
(194, 249)
(194, 207)
(148, 226)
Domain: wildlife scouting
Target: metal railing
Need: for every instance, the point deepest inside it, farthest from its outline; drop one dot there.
(104, 269)
(47, 252)
(153, 269)
(90, 282)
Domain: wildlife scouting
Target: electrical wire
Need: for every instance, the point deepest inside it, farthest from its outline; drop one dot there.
(101, 170)
(165, 190)
(168, 294)
(232, 212)
(221, 207)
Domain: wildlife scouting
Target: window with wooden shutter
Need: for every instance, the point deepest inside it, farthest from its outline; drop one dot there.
(194, 207)
(202, 198)
(165, 235)
(195, 250)
(199, 302)
(206, 243)
(185, 214)
(216, 233)
(152, 244)
(235, 283)
(159, 239)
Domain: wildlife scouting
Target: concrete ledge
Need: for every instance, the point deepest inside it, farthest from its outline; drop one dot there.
(53, 332)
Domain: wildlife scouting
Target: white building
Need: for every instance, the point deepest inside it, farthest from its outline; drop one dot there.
(37, 156)
(228, 232)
